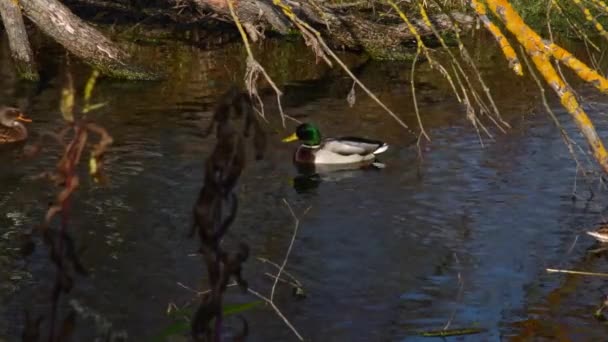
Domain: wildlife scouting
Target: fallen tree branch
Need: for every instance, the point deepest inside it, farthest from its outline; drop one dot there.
(82, 40)
(21, 52)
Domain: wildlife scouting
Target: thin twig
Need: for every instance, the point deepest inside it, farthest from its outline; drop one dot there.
(293, 238)
(278, 312)
(314, 39)
(413, 83)
(565, 137)
(573, 244)
(266, 261)
(282, 280)
(360, 84)
(254, 67)
(497, 119)
(458, 296)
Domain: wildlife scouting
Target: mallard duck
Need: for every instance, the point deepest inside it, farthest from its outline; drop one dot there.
(600, 234)
(11, 127)
(344, 150)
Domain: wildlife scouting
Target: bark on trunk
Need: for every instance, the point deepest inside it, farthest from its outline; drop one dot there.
(18, 42)
(82, 40)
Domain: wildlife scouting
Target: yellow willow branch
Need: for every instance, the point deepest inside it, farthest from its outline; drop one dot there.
(539, 53)
(581, 69)
(502, 41)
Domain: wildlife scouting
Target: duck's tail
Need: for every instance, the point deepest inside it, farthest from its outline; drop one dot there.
(599, 236)
(381, 149)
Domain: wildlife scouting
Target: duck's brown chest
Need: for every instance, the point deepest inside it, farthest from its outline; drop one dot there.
(304, 155)
(9, 135)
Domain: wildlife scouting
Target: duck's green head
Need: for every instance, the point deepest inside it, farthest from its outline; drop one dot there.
(307, 133)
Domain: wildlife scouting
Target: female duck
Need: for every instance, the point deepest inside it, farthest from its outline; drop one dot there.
(11, 127)
(344, 150)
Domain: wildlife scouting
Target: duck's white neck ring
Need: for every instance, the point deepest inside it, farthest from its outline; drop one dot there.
(310, 146)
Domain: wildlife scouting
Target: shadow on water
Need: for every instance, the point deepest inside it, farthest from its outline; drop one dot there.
(449, 229)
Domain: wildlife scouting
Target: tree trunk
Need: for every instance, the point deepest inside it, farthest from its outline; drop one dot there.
(18, 42)
(82, 40)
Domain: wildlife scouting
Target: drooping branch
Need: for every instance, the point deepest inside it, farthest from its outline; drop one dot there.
(505, 46)
(18, 41)
(541, 51)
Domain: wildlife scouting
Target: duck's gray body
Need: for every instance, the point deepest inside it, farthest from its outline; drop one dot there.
(344, 150)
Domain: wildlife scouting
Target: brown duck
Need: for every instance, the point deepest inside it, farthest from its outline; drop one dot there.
(11, 127)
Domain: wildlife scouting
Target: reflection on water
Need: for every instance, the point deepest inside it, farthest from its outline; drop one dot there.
(380, 255)
(310, 176)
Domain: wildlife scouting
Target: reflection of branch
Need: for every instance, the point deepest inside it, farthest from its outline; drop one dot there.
(565, 137)
(216, 206)
(458, 297)
(62, 249)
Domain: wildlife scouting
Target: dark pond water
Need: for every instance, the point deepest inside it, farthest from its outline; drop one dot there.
(463, 236)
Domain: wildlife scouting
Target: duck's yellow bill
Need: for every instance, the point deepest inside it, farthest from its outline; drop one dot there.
(292, 137)
(21, 117)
